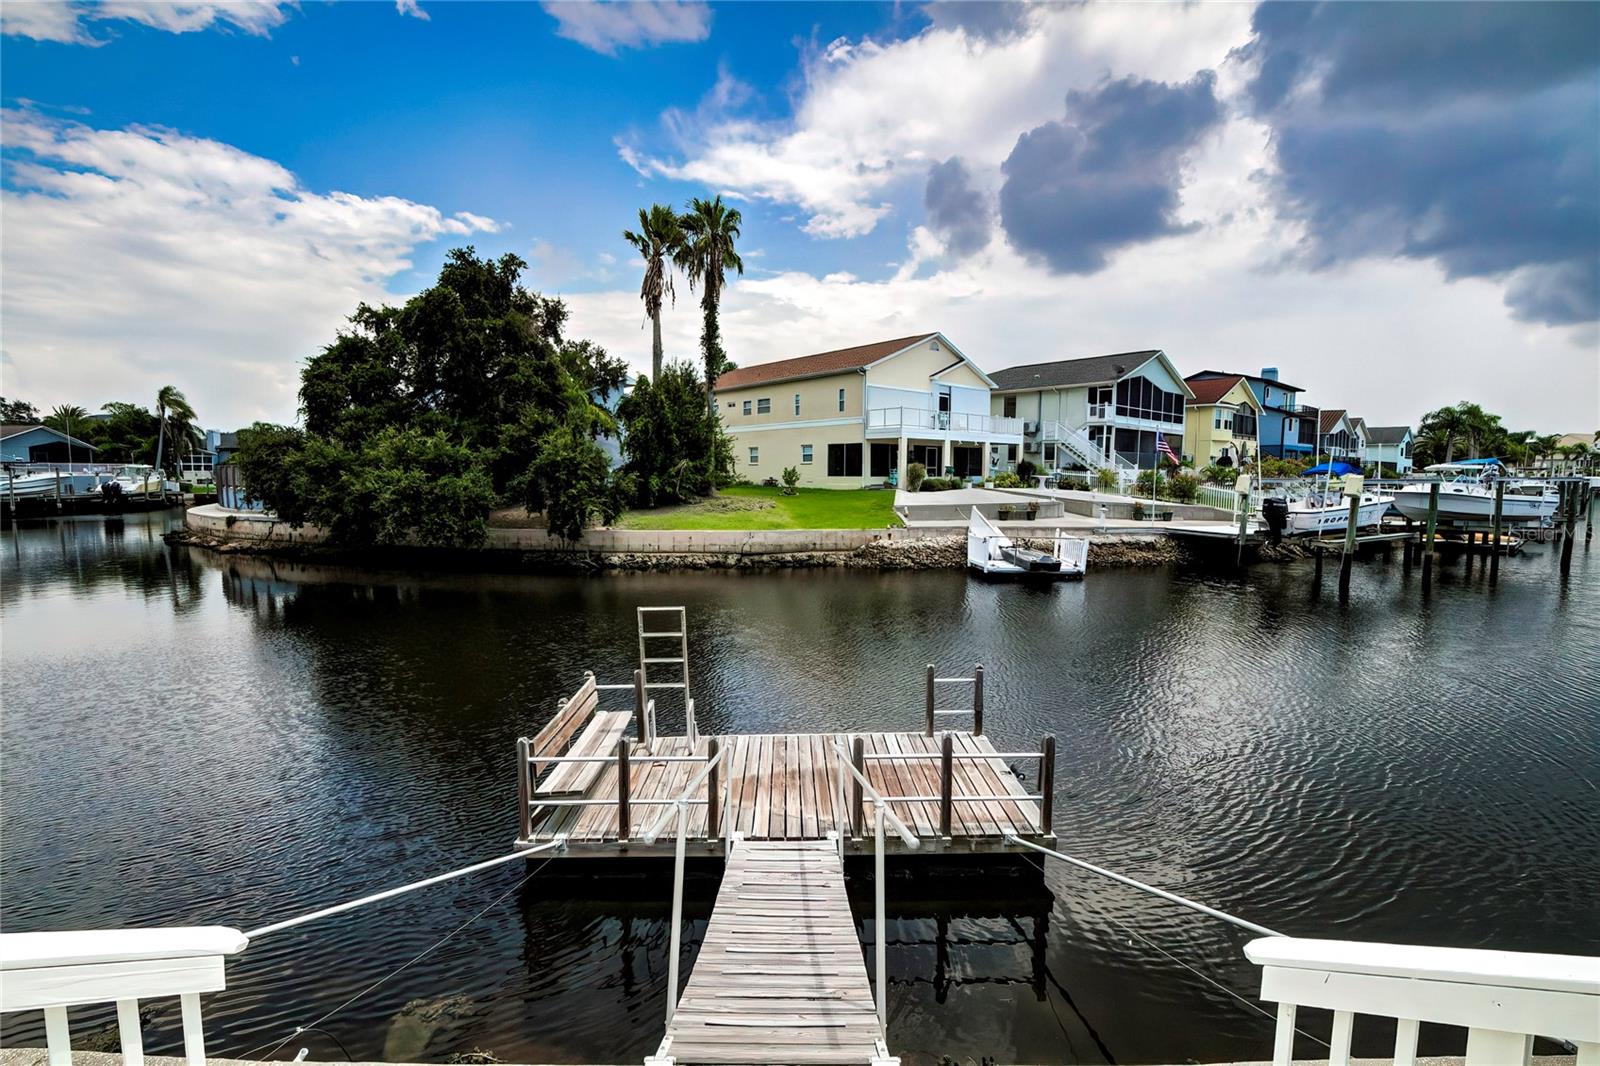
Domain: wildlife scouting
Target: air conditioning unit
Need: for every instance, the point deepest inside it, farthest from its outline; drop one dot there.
(1030, 428)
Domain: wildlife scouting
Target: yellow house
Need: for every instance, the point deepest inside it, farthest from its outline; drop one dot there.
(1221, 419)
(853, 416)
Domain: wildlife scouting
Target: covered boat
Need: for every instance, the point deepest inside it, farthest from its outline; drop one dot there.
(993, 554)
(1466, 494)
(1307, 509)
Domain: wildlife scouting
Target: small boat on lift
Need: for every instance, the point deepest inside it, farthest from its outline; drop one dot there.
(1309, 509)
(1466, 494)
(992, 554)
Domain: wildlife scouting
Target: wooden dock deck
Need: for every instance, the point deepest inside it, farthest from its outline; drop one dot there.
(786, 787)
(780, 976)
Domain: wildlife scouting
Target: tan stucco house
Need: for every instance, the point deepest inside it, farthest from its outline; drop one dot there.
(854, 416)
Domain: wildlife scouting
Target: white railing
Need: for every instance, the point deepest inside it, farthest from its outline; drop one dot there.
(679, 809)
(1088, 451)
(1502, 998)
(942, 421)
(881, 815)
(54, 971)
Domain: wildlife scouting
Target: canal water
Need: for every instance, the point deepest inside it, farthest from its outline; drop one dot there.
(194, 739)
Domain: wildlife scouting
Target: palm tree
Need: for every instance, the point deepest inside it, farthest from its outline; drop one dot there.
(660, 243)
(64, 416)
(1444, 429)
(174, 416)
(1544, 447)
(710, 229)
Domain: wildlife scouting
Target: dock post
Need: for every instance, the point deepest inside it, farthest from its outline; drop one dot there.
(639, 701)
(623, 783)
(524, 791)
(977, 700)
(946, 761)
(1499, 513)
(1349, 555)
(1316, 575)
(1588, 513)
(1047, 788)
(712, 810)
(1571, 520)
(1427, 543)
(858, 759)
(930, 700)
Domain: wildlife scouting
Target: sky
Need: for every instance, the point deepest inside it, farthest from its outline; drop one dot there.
(1397, 205)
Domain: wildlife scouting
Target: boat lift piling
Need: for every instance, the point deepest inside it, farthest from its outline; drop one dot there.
(1499, 509)
(1570, 499)
(1432, 531)
(1349, 555)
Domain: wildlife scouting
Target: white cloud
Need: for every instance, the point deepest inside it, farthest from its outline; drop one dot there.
(871, 118)
(69, 22)
(608, 27)
(412, 8)
(140, 257)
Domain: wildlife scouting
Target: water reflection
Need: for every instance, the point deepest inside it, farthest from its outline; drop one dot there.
(247, 739)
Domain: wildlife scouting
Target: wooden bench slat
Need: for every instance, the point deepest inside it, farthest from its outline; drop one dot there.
(553, 738)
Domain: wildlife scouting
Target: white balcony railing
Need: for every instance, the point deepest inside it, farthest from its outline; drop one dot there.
(54, 971)
(919, 418)
(1502, 998)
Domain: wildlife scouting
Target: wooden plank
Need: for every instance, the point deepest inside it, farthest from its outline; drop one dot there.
(1024, 812)
(554, 737)
(807, 783)
(598, 738)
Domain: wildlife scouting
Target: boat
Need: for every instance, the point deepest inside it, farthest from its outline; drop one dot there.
(993, 554)
(1467, 491)
(45, 484)
(1304, 508)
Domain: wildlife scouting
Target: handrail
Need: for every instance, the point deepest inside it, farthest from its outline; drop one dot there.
(680, 808)
(901, 829)
(1012, 838)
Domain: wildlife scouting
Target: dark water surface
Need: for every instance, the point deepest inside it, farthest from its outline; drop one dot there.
(192, 738)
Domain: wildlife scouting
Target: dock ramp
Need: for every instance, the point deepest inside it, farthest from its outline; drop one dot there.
(780, 976)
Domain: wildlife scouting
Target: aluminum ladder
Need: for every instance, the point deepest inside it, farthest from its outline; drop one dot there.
(651, 619)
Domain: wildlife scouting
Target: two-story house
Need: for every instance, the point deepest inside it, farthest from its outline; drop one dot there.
(1389, 448)
(1336, 438)
(1100, 412)
(857, 416)
(1283, 429)
(1221, 422)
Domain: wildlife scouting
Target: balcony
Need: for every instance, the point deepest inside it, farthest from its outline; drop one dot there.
(885, 421)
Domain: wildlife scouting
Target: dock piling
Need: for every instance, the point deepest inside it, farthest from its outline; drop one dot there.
(977, 700)
(1047, 786)
(946, 778)
(1349, 555)
(930, 701)
(713, 749)
(524, 789)
(858, 759)
(623, 784)
(1571, 519)
(1499, 512)
(1428, 535)
(639, 701)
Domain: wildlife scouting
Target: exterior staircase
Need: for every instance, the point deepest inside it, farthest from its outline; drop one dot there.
(1087, 451)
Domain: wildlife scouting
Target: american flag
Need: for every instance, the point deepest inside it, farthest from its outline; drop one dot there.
(1163, 448)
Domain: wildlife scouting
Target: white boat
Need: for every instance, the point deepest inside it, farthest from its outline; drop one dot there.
(993, 554)
(1466, 494)
(1313, 511)
(45, 484)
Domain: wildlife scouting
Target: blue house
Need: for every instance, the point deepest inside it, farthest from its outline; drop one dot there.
(41, 444)
(1284, 429)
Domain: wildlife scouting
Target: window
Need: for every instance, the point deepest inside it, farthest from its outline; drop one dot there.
(1008, 407)
(1244, 423)
(1011, 453)
(746, 407)
(805, 449)
(1141, 398)
(1049, 454)
(764, 406)
(844, 460)
(1216, 418)
(841, 399)
(882, 459)
(755, 456)
(797, 410)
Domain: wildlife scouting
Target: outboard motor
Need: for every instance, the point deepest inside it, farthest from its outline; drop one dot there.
(1275, 511)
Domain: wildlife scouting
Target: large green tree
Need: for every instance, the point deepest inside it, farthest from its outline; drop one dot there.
(667, 433)
(710, 231)
(659, 241)
(17, 412)
(430, 413)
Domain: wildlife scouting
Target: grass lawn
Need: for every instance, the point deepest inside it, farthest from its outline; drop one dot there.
(760, 507)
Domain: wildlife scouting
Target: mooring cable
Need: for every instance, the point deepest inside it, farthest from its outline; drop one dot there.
(430, 949)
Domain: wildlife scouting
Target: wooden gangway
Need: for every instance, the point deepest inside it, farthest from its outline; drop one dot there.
(780, 977)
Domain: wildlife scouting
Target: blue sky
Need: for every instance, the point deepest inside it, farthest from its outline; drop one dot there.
(1393, 203)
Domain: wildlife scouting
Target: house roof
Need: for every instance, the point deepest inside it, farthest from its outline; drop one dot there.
(1248, 377)
(1358, 423)
(7, 432)
(805, 366)
(1387, 434)
(1211, 390)
(1329, 418)
(1094, 370)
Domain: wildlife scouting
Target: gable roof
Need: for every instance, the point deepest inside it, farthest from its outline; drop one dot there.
(1211, 390)
(805, 366)
(1248, 377)
(1328, 420)
(1096, 369)
(1387, 434)
(7, 432)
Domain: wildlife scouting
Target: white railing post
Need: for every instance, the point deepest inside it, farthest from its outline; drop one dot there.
(194, 1036)
(1283, 1039)
(677, 913)
(57, 1036)
(881, 948)
(128, 1032)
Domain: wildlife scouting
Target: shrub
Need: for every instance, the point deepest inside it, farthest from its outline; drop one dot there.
(1141, 484)
(916, 473)
(1007, 480)
(791, 478)
(940, 484)
(1027, 470)
(1217, 474)
(1184, 487)
(1107, 479)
